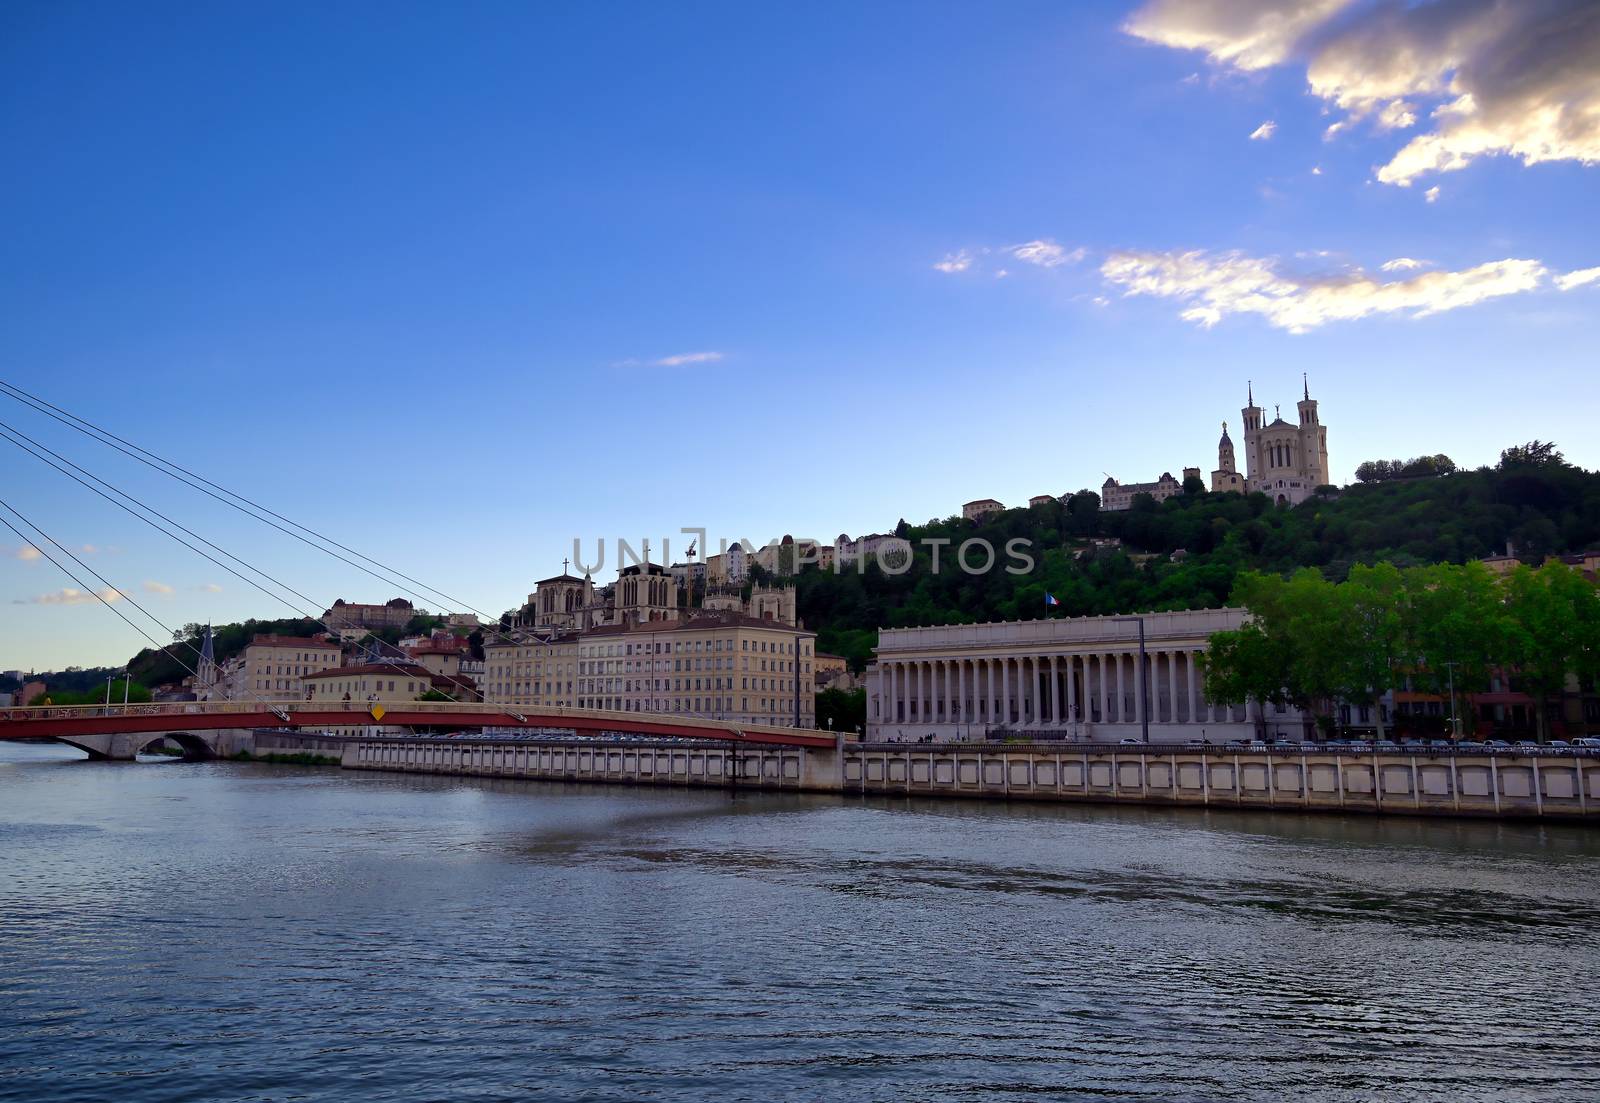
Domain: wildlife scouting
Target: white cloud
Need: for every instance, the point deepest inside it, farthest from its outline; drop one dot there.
(676, 361)
(209, 588)
(28, 553)
(955, 262)
(1316, 170)
(71, 596)
(1214, 286)
(153, 587)
(1432, 194)
(1579, 278)
(88, 549)
(1264, 131)
(683, 358)
(1046, 253)
(1517, 78)
(1404, 264)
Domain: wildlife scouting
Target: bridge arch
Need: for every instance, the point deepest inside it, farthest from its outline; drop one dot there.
(194, 747)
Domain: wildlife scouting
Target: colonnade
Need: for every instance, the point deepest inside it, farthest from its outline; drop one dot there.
(1048, 690)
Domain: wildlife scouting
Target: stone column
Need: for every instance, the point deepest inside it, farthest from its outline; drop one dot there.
(1105, 687)
(1055, 693)
(1005, 691)
(1072, 688)
(961, 688)
(1194, 686)
(1039, 697)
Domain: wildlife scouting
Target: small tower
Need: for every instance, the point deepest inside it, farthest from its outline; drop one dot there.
(1226, 476)
(205, 682)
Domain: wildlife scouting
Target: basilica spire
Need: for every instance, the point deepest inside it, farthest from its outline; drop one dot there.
(1307, 384)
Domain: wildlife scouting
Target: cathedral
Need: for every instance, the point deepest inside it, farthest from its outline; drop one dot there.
(1284, 461)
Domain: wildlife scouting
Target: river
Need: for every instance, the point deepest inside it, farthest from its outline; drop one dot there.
(216, 931)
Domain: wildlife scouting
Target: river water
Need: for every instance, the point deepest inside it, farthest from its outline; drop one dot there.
(179, 931)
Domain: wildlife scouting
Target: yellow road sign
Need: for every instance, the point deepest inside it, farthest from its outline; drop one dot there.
(377, 712)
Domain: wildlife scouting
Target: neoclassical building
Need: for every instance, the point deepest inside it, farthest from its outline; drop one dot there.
(1284, 461)
(1077, 677)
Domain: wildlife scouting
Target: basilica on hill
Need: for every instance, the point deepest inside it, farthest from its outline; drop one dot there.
(1283, 460)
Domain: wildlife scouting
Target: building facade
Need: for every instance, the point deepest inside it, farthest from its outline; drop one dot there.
(1073, 678)
(1115, 495)
(719, 665)
(274, 668)
(978, 510)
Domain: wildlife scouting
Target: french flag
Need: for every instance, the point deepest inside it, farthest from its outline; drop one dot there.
(1050, 599)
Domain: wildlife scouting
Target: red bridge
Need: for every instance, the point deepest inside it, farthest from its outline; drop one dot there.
(121, 731)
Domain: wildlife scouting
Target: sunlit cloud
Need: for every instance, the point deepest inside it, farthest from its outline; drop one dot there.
(1264, 131)
(1518, 79)
(153, 587)
(1404, 264)
(71, 596)
(1213, 286)
(954, 262)
(1580, 278)
(27, 553)
(1432, 194)
(209, 588)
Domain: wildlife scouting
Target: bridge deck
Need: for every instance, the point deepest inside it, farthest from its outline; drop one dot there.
(49, 722)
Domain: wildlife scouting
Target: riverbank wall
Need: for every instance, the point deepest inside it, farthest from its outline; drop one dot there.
(1509, 785)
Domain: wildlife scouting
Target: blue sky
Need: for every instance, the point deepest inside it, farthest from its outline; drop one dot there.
(458, 285)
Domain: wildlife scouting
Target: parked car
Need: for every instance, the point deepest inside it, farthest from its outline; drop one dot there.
(1469, 745)
(1131, 742)
(1587, 741)
(1496, 744)
(1559, 744)
(1385, 745)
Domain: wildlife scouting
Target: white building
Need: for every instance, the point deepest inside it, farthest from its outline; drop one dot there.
(1074, 678)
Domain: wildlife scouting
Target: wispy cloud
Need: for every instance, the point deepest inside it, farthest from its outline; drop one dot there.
(1046, 253)
(1432, 194)
(1404, 264)
(153, 587)
(677, 360)
(1215, 285)
(71, 596)
(1517, 78)
(1263, 132)
(27, 553)
(954, 262)
(209, 588)
(1579, 278)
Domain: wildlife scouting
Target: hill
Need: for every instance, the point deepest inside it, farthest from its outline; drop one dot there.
(1187, 552)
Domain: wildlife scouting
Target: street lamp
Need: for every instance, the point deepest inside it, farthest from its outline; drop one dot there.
(1144, 681)
(1455, 721)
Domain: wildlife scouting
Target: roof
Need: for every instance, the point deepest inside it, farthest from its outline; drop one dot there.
(559, 578)
(982, 502)
(406, 670)
(703, 622)
(269, 640)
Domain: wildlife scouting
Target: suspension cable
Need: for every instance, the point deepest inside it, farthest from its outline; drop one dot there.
(222, 494)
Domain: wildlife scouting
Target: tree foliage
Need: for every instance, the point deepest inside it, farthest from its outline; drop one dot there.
(1313, 643)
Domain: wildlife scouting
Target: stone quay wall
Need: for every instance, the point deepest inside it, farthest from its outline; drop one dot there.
(1555, 786)
(1515, 785)
(634, 763)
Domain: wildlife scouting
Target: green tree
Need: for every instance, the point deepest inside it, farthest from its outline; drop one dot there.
(842, 710)
(1555, 616)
